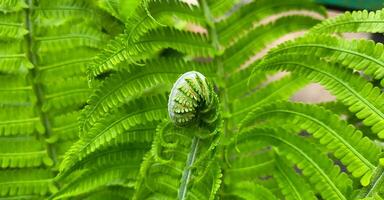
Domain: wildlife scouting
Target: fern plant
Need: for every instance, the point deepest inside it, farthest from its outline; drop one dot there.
(181, 103)
(45, 46)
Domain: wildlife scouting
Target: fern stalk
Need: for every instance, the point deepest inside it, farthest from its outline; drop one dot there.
(36, 86)
(188, 169)
(376, 184)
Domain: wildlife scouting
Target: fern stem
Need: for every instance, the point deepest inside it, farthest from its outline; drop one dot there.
(37, 88)
(376, 183)
(188, 169)
(211, 25)
(223, 94)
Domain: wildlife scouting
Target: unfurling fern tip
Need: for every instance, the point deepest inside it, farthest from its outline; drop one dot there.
(193, 101)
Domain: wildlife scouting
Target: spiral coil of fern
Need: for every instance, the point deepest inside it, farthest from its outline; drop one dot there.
(193, 106)
(193, 101)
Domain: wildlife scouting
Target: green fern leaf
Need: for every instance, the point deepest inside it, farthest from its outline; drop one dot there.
(238, 85)
(118, 88)
(221, 8)
(106, 167)
(152, 14)
(7, 6)
(18, 182)
(361, 96)
(325, 177)
(360, 54)
(139, 112)
(275, 91)
(66, 93)
(10, 30)
(19, 152)
(57, 13)
(119, 51)
(243, 20)
(78, 37)
(358, 153)
(247, 47)
(291, 184)
(357, 21)
(249, 190)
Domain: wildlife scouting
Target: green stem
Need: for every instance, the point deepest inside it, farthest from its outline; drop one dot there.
(223, 94)
(211, 25)
(188, 169)
(37, 88)
(376, 183)
(221, 71)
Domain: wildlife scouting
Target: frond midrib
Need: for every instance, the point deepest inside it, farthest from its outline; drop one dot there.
(160, 107)
(331, 48)
(361, 157)
(373, 108)
(322, 173)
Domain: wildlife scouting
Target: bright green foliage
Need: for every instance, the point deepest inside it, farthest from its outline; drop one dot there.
(45, 46)
(363, 55)
(94, 103)
(240, 155)
(358, 153)
(356, 21)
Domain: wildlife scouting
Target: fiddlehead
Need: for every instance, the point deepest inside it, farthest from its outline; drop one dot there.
(193, 101)
(184, 148)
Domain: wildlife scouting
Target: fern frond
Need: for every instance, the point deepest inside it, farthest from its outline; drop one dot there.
(357, 21)
(13, 60)
(180, 165)
(14, 64)
(239, 86)
(138, 112)
(137, 138)
(193, 44)
(7, 6)
(246, 47)
(67, 68)
(325, 177)
(111, 7)
(291, 184)
(361, 96)
(15, 89)
(65, 126)
(20, 126)
(358, 153)
(220, 8)
(243, 20)
(115, 192)
(17, 114)
(56, 13)
(250, 190)
(18, 182)
(153, 14)
(101, 157)
(119, 50)
(10, 30)
(275, 91)
(55, 40)
(360, 54)
(375, 189)
(124, 86)
(113, 166)
(66, 93)
(19, 152)
(250, 162)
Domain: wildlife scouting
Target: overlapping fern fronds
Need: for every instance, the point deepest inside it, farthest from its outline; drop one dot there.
(236, 134)
(43, 86)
